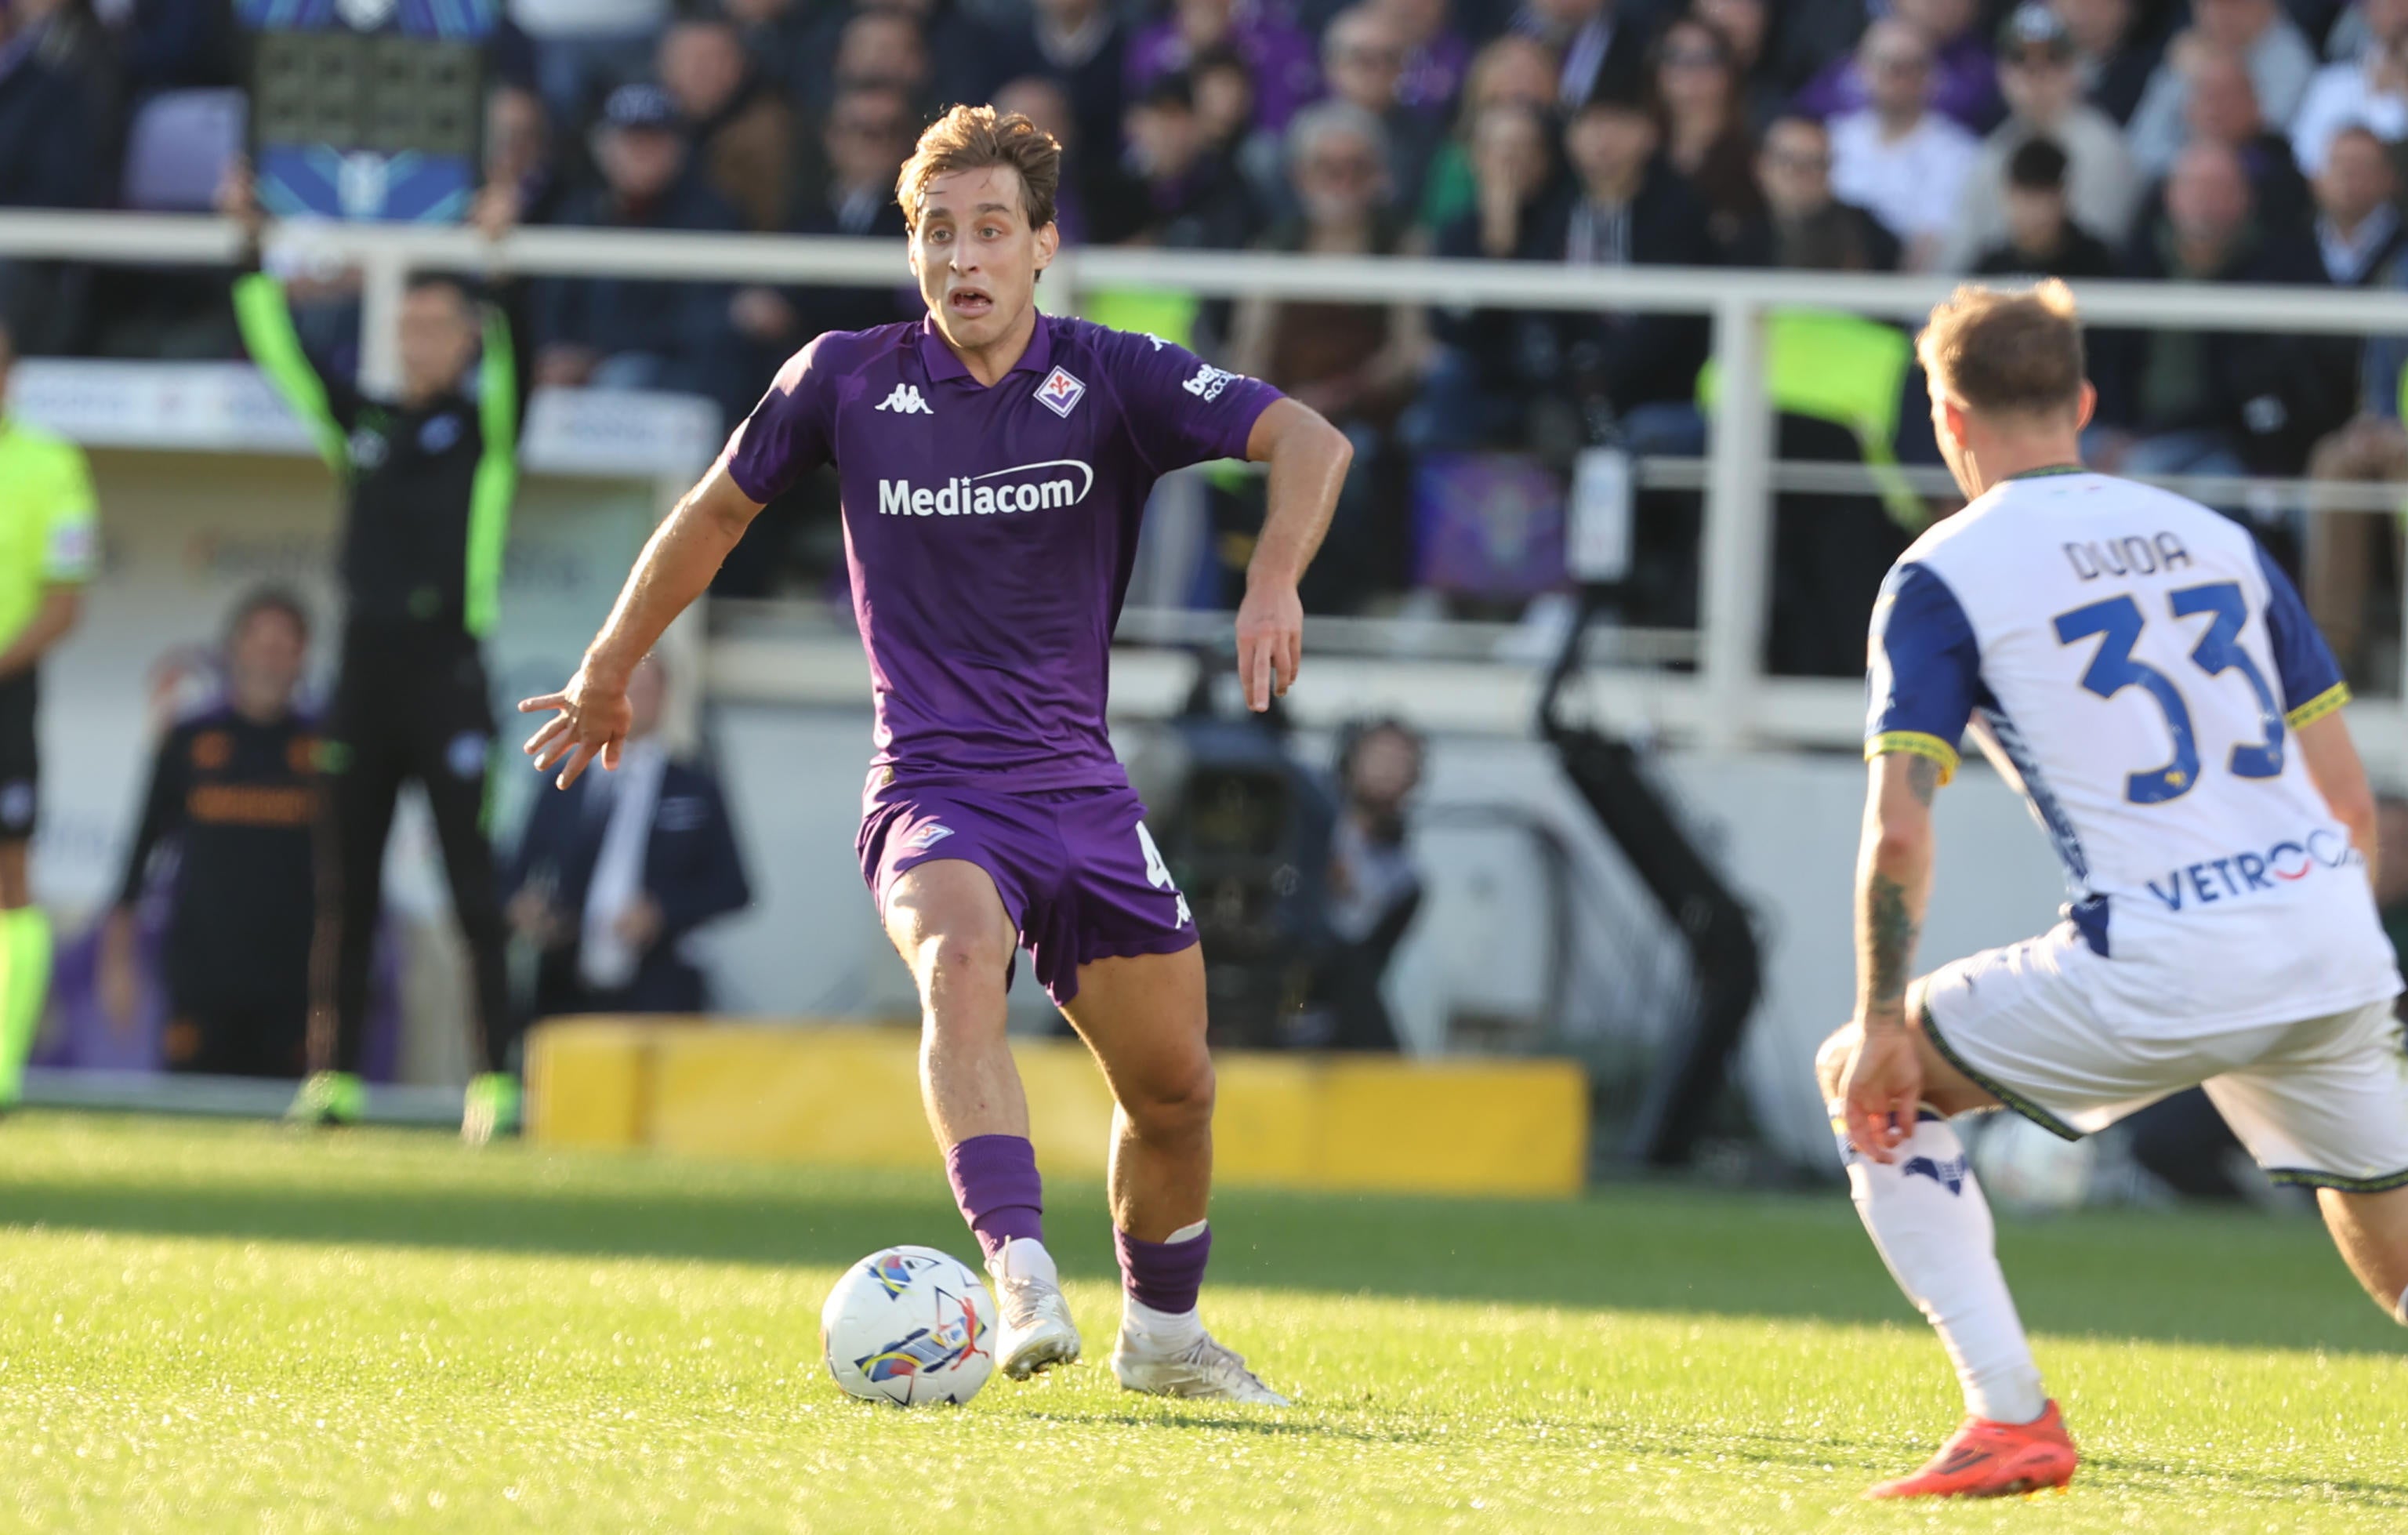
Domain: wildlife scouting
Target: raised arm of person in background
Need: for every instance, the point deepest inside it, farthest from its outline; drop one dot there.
(501, 413)
(326, 403)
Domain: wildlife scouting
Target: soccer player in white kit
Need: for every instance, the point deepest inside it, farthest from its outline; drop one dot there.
(2151, 682)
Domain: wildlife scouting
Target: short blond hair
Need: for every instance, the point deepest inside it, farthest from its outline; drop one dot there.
(976, 138)
(2005, 354)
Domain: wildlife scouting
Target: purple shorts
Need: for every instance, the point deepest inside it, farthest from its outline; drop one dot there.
(1077, 870)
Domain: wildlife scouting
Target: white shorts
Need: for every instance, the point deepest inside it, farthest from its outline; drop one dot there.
(2323, 1101)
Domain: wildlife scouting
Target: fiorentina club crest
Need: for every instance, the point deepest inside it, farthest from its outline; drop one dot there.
(1060, 392)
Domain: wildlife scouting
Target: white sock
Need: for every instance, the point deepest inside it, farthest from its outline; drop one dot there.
(1926, 1213)
(1025, 1257)
(2401, 1311)
(1160, 1332)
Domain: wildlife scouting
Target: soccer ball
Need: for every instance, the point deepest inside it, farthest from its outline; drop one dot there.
(2029, 1171)
(909, 1325)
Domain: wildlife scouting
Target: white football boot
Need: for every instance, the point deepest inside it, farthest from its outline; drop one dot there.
(1199, 1369)
(1034, 1331)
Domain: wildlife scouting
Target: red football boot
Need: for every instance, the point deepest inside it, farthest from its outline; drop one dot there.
(1985, 1460)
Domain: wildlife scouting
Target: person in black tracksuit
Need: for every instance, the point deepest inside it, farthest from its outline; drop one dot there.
(429, 476)
(233, 791)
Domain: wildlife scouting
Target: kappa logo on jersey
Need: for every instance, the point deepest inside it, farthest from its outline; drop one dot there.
(927, 837)
(906, 401)
(1060, 392)
(1015, 489)
(369, 449)
(2240, 873)
(1209, 382)
(1157, 874)
(1949, 1172)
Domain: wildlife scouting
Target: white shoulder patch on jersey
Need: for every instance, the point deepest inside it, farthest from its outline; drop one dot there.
(1209, 381)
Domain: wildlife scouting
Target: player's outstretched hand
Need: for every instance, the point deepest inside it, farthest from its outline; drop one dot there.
(590, 719)
(1271, 642)
(1883, 1089)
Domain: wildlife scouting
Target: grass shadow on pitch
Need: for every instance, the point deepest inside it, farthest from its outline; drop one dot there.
(1225, 1422)
(2236, 1279)
(2357, 1492)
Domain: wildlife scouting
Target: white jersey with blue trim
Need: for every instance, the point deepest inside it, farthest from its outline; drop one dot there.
(2136, 666)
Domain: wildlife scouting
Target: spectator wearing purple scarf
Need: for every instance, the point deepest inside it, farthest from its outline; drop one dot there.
(1286, 72)
(1964, 72)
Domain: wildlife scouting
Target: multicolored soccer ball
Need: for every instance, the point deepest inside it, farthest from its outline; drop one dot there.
(909, 1326)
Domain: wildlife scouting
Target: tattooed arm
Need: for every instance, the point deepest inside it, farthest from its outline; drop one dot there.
(1893, 881)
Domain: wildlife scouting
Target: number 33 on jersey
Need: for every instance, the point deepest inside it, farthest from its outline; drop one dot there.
(2135, 664)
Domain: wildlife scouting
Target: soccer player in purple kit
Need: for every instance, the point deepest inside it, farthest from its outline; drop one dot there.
(994, 464)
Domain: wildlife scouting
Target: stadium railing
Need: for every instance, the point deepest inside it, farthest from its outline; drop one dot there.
(1729, 702)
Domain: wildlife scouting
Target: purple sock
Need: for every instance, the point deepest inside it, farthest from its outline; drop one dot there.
(1164, 1275)
(994, 1182)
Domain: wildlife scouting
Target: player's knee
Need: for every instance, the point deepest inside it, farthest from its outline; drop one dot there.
(955, 963)
(1831, 1060)
(1175, 1106)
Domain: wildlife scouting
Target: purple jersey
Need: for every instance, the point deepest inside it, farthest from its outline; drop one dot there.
(990, 531)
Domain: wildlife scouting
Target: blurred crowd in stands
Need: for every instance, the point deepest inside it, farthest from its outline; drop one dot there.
(2203, 140)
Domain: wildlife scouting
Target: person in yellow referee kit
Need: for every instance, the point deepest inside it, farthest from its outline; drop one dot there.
(49, 545)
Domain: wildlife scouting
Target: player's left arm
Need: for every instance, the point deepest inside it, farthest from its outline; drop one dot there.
(1309, 459)
(61, 606)
(2314, 692)
(2333, 767)
(70, 552)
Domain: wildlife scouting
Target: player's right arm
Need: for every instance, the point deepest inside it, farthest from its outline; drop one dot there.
(591, 715)
(1924, 671)
(786, 434)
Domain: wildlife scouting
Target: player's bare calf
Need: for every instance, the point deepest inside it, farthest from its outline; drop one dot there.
(947, 920)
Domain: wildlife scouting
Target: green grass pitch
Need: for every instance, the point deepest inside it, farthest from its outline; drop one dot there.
(232, 1327)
